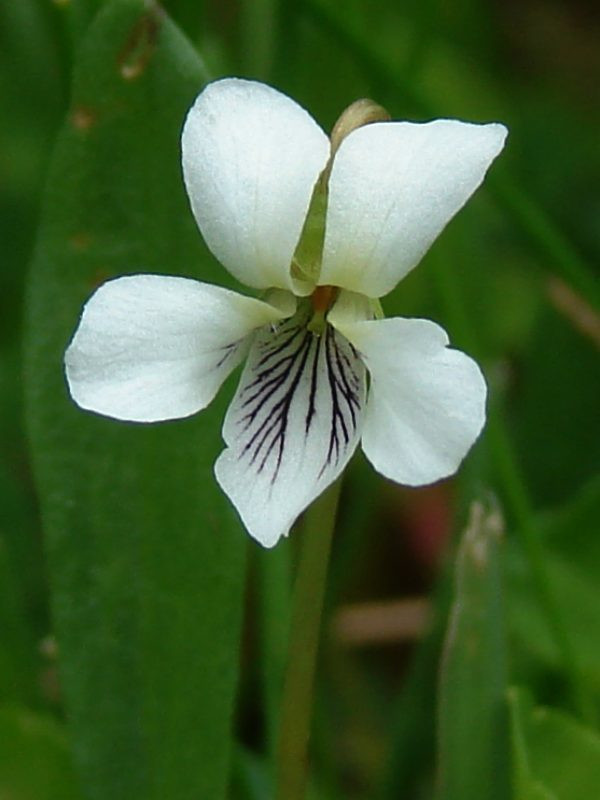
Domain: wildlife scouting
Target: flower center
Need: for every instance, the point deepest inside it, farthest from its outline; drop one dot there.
(321, 300)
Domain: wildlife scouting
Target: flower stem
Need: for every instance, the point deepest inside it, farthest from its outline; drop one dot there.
(309, 591)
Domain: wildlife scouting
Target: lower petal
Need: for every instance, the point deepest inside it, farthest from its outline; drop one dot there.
(153, 347)
(292, 426)
(427, 402)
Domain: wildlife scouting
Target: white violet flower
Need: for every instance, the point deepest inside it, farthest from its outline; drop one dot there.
(324, 238)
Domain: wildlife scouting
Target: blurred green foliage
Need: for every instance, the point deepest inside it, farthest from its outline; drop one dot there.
(555, 757)
(472, 740)
(146, 601)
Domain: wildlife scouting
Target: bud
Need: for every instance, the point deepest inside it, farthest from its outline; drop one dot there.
(306, 263)
(361, 112)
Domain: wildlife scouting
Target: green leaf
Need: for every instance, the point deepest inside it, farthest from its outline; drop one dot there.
(77, 16)
(578, 598)
(554, 757)
(525, 786)
(35, 762)
(22, 587)
(572, 556)
(146, 556)
(473, 735)
(17, 662)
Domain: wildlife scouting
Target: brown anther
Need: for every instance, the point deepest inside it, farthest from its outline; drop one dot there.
(361, 112)
(323, 297)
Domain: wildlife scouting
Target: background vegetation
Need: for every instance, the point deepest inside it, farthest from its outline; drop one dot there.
(143, 636)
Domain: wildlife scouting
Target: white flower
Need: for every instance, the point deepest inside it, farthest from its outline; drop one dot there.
(321, 373)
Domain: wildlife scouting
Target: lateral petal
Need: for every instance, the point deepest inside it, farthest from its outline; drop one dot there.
(292, 426)
(426, 402)
(393, 187)
(251, 157)
(153, 347)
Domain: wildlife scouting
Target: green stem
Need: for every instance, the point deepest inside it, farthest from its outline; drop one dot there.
(276, 610)
(309, 591)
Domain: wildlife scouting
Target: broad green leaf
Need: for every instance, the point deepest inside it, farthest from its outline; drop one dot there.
(472, 733)
(146, 557)
(17, 649)
(22, 589)
(554, 757)
(77, 16)
(35, 762)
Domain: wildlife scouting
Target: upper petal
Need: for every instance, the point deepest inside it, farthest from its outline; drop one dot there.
(151, 347)
(393, 188)
(251, 157)
(426, 403)
(292, 426)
